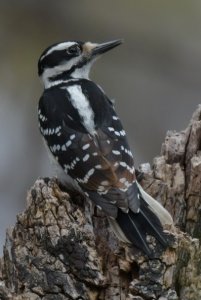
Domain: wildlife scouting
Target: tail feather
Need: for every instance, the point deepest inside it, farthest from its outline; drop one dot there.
(163, 215)
(141, 239)
(140, 215)
(136, 226)
(155, 230)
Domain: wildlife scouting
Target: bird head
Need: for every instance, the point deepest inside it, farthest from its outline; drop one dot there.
(72, 59)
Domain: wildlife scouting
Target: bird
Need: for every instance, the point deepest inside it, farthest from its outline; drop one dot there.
(86, 140)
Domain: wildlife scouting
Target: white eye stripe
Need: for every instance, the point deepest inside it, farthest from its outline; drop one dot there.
(58, 47)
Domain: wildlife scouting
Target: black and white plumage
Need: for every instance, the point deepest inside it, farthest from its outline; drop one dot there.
(86, 138)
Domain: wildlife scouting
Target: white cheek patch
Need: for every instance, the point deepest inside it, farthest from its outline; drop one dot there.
(51, 72)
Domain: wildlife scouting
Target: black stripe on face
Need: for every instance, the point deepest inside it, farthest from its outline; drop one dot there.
(68, 73)
(57, 57)
(52, 60)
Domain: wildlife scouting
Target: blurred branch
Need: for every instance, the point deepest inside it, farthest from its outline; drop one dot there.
(57, 250)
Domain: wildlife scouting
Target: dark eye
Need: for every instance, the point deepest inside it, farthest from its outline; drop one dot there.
(73, 50)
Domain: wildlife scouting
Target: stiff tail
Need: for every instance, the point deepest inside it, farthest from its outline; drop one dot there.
(163, 215)
(134, 227)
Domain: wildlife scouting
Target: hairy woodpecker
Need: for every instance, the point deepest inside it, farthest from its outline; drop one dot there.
(85, 136)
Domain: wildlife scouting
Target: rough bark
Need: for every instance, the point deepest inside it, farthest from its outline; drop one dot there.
(59, 250)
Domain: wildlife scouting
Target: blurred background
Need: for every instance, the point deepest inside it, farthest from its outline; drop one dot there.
(154, 77)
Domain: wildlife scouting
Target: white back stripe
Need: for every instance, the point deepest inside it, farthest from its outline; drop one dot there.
(81, 103)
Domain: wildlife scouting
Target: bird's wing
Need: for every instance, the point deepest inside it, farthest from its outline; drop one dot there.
(100, 163)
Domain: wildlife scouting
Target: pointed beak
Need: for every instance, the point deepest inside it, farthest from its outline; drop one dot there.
(91, 49)
(104, 47)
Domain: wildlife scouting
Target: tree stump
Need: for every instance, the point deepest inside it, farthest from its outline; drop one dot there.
(59, 249)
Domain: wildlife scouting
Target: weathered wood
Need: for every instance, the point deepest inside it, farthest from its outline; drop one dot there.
(59, 249)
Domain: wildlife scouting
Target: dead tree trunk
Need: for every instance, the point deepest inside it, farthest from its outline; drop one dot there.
(57, 250)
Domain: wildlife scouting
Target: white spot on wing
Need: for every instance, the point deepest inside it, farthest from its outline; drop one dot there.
(98, 167)
(68, 143)
(101, 189)
(105, 182)
(130, 169)
(72, 165)
(115, 152)
(91, 171)
(123, 164)
(127, 151)
(122, 132)
(72, 136)
(42, 117)
(86, 177)
(86, 146)
(57, 130)
(117, 133)
(86, 157)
